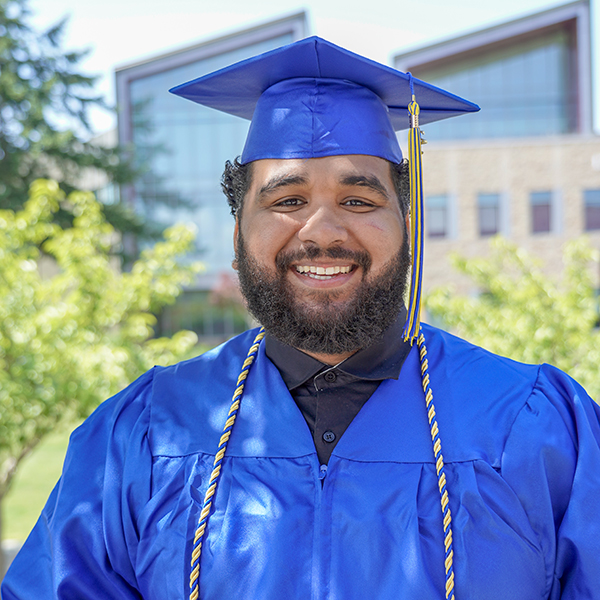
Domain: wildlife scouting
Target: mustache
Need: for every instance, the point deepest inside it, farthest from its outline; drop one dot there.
(284, 260)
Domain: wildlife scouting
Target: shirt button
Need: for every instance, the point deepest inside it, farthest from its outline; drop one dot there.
(329, 436)
(330, 376)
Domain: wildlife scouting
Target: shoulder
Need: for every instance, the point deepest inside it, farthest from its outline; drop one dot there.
(189, 398)
(461, 369)
(158, 406)
(122, 412)
(224, 361)
(466, 357)
(491, 374)
(490, 397)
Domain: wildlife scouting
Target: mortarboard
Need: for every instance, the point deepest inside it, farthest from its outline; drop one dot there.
(312, 99)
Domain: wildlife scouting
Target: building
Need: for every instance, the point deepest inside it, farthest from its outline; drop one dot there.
(528, 165)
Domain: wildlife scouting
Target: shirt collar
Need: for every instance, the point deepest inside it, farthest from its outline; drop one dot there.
(381, 360)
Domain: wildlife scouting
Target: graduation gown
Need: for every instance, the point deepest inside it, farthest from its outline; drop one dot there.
(520, 443)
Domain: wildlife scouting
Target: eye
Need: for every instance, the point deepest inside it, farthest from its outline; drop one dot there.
(358, 203)
(289, 203)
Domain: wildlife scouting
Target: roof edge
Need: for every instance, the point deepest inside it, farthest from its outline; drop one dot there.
(504, 30)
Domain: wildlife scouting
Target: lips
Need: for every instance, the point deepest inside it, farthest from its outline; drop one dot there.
(299, 261)
(315, 272)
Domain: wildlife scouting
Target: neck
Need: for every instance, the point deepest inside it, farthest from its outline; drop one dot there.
(330, 359)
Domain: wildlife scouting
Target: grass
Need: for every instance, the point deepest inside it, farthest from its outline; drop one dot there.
(35, 478)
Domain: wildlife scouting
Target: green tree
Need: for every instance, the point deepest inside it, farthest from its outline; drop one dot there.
(45, 101)
(74, 329)
(526, 315)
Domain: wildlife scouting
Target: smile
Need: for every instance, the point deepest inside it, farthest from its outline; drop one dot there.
(322, 272)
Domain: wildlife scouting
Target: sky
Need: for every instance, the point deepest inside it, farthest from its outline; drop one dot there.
(121, 32)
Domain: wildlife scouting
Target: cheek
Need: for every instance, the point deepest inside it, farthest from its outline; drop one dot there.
(383, 236)
(266, 237)
(377, 226)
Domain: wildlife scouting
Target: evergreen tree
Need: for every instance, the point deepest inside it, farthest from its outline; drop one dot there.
(45, 101)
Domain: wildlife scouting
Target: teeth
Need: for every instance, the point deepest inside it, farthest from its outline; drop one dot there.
(322, 272)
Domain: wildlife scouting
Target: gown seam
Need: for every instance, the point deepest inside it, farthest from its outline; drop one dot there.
(549, 568)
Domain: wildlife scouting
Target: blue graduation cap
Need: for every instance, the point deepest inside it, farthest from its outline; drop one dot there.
(312, 99)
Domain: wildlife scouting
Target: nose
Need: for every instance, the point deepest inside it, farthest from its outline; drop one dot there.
(323, 228)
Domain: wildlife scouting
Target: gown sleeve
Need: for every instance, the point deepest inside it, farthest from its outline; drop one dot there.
(84, 544)
(552, 461)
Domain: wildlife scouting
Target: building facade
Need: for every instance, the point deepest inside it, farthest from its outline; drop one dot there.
(528, 165)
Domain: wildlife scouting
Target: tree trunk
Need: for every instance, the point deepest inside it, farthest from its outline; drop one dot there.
(3, 567)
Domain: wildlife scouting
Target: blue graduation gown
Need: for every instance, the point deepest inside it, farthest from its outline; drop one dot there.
(520, 442)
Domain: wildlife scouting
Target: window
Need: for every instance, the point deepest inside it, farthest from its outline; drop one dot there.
(213, 319)
(591, 199)
(541, 212)
(182, 146)
(489, 213)
(523, 89)
(437, 216)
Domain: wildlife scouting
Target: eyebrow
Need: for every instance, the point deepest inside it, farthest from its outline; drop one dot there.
(285, 180)
(368, 181)
(281, 181)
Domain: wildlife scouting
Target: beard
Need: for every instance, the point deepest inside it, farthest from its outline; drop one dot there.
(326, 326)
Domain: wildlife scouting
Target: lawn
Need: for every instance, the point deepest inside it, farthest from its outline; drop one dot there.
(33, 482)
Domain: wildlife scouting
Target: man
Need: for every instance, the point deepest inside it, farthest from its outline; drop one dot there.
(309, 464)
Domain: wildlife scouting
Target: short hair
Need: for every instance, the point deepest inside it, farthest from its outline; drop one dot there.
(235, 183)
(401, 180)
(236, 180)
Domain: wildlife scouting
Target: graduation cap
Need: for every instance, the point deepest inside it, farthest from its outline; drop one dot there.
(312, 99)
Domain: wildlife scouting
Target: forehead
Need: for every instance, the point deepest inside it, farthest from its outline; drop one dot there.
(328, 169)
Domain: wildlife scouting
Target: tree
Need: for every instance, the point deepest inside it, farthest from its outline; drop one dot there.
(74, 337)
(44, 115)
(524, 314)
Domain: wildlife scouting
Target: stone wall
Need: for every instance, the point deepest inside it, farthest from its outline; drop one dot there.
(565, 165)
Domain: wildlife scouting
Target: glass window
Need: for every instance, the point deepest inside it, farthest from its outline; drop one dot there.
(437, 216)
(591, 200)
(183, 148)
(541, 212)
(523, 90)
(489, 214)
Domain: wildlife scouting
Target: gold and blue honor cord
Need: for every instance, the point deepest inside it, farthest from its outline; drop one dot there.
(439, 467)
(216, 472)
(229, 423)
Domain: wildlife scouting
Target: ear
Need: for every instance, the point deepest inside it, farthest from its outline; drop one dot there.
(234, 262)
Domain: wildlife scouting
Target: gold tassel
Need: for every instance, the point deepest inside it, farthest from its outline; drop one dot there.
(413, 320)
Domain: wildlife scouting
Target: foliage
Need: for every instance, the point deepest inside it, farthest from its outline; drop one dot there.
(73, 338)
(524, 314)
(44, 115)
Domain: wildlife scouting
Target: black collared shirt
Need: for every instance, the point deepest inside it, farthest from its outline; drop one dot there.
(331, 396)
